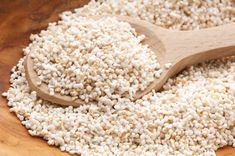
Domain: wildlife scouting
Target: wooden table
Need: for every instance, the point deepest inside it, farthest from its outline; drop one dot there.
(18, 19)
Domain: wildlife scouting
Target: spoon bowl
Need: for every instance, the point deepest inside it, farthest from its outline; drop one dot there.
(179, 48)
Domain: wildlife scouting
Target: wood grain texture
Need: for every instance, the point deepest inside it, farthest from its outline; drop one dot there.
(18, 19)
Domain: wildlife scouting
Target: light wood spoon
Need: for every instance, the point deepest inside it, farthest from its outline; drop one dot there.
(180, 48)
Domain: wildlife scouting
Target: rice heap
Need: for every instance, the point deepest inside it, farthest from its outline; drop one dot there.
(193, 115)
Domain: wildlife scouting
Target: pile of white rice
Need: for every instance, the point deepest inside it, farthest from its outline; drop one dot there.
(193, 115)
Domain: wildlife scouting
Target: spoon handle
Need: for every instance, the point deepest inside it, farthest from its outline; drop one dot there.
(191, 47)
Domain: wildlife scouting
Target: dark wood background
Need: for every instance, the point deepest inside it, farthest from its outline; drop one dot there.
(18, 19)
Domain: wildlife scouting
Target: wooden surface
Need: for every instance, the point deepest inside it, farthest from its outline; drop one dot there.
(19, 18)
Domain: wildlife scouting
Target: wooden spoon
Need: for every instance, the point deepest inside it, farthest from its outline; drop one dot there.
(180, 48)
